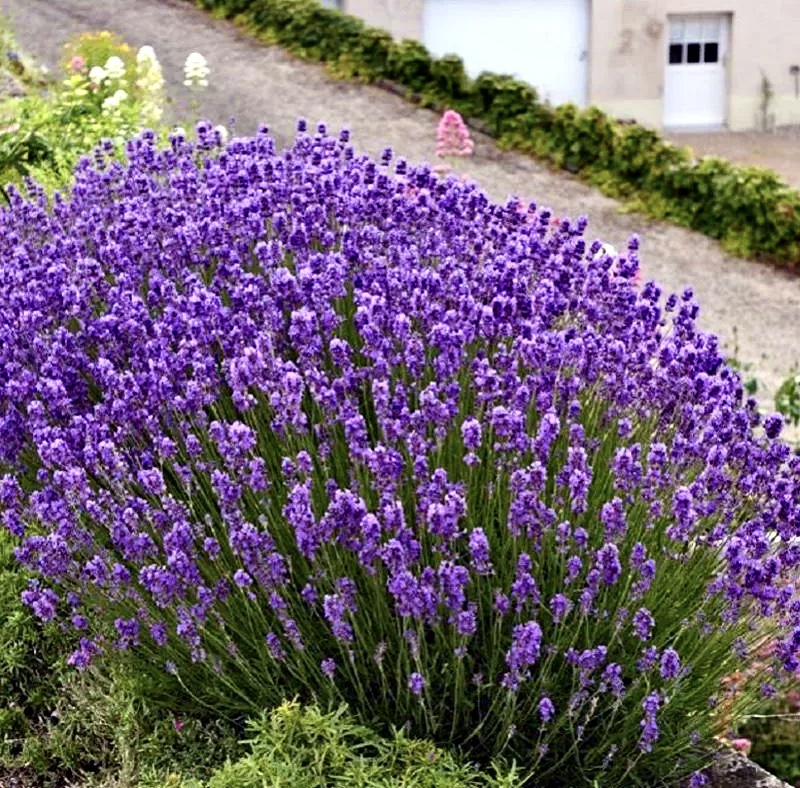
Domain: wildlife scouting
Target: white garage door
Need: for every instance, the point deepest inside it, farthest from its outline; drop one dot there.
(544, 42)
(695, 82)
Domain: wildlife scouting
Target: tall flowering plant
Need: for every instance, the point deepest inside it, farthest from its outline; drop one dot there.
(113, 97)
(453, 140)
(276, 425)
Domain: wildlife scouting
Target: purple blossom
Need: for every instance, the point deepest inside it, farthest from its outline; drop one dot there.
(416, 683)
(546, 710)
(560, 606)
(612, 515)
(698, 780)
(471, 434)
(467, 622)
(574, 566)
(649, 725)
(480, 559)
(670, 664)
(643, 623)
(275, 647)
(526, 643)
(612, 679)
(609, 564)
(648, 660)
(84, 655)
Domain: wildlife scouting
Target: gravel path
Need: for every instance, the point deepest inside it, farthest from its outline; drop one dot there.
(743, 302)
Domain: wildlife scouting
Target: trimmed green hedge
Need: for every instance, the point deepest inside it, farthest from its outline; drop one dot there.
(749, 209)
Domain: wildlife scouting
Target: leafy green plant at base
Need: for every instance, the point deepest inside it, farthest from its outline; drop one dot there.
(56, 724)
(31, 663)
(21, 154)
(306, 748)
(787, 399)
(750, 210)
(775, 734)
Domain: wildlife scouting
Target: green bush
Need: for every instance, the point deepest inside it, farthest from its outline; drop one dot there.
(750, 210)
(56, 724)
(306, 748)
(44, 133)
(30, 663)
(775, 734)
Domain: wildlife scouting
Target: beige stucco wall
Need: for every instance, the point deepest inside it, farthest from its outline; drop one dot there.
(628, 51)
(402, 18)
(628, 56)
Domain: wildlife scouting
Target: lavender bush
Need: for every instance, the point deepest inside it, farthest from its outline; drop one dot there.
(299, 423)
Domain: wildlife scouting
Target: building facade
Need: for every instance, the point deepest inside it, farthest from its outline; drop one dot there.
(665, 63)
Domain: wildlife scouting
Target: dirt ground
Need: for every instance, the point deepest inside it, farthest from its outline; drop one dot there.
(778, 150)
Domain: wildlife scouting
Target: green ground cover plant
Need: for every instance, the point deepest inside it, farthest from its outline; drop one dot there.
(304, 747)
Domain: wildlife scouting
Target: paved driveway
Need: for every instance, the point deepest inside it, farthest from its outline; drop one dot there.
(779, 150)
(261, 84)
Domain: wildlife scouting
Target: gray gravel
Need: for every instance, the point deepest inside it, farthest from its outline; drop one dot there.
(750, 304)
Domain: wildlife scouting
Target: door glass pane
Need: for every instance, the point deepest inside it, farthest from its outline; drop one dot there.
(676, 30)
(711, 29)
(693, 53)
(675, 54)
(693, 30)
(711, 53)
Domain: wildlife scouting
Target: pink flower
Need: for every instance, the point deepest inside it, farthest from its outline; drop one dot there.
(452, 136)
(742, 745)
(178, 725)
(77, 63)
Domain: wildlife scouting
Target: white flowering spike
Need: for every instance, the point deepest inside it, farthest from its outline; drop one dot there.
(223, 133)
(146, 54)
(195, 71)
(607, 250)
(113, 102)
(115, 68)
(151, 77)
(150, 83)
(97, 75)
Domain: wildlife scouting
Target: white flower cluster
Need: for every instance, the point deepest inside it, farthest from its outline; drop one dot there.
(196, 71)
(112, 103)
(97, 74)
(151, 82)
(113, 69)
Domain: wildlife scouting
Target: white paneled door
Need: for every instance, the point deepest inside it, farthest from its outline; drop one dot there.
(544, 42)
(696, 79)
